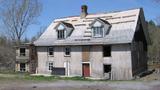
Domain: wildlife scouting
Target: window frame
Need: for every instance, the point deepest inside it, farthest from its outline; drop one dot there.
(52, 51)
(65, 51)
(50, 65)
(61, 34)
(109, 49)
(98, 32)
(24, 53)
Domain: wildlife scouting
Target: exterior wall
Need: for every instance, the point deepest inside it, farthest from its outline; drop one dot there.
(75, 60)
(22, 59)
(121, 62)
(139, 58)
(17, 67)
(96, 62)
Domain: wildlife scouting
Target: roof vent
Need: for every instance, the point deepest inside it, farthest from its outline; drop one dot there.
(84, 11)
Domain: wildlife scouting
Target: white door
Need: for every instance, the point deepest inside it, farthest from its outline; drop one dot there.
(66, 66)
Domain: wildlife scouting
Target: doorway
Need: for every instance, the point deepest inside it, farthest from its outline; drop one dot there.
(107, 71)
(22, 67)
(86, 70)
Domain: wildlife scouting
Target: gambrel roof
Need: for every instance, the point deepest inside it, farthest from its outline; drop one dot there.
(123, 27)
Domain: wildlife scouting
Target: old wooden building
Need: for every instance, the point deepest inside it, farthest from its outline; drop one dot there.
(110, 45)
(26, 58)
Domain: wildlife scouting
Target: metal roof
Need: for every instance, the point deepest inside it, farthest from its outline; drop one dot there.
(122, 31)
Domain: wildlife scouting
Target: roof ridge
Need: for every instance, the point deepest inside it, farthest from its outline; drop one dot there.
(77, 16)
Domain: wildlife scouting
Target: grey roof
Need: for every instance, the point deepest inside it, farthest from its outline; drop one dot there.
(122, 31)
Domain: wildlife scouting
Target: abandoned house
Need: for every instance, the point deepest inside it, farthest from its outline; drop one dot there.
(103, 45)
(26, 59)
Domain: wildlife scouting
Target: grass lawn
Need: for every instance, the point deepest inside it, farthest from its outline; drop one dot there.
(26, 77)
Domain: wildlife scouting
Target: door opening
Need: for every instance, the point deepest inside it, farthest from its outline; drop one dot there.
(22, 67)
(86, 70)
(107, 71)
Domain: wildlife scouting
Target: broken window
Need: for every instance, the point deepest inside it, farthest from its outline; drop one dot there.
(106, 51)
(107, 68)
(51, 51)
(61, 34)
(67, 51)
(22, 51)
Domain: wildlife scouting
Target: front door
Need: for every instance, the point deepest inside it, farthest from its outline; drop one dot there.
(86, 70)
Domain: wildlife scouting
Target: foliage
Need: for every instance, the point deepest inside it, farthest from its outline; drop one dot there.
(154, 48)
(18, 15)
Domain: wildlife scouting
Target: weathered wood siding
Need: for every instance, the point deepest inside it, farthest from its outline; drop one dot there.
(85, 53)
(121, 62)
(139, 58)
(59, 58)
(96, 61)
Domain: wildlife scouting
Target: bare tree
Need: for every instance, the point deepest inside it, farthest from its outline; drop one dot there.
(18, 15)
(39, 33)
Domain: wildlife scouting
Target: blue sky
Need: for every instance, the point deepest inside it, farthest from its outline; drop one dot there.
(53, 9)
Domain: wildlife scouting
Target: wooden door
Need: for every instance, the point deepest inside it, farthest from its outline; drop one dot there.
(86, 70)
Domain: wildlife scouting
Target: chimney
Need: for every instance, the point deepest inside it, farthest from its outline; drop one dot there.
(83, 11)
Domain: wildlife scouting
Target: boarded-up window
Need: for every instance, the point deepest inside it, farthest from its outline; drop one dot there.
(106, 51)
(85, 53)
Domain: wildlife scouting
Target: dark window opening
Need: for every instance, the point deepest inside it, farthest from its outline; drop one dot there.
(22, 67)
(51, 51)
(106, 51)
(22, 51)
(67, 51)
(60, 34)
(50, 65)
(107, 68)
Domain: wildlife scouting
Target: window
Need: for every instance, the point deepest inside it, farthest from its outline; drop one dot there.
(97, 31)
(22, 67)
(106, 51)
(22, 51)
(61, 34)
(50, 65)
(51, 51)
(107, 68)
(67, 51)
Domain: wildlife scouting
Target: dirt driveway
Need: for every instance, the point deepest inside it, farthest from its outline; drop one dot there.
(80, 85)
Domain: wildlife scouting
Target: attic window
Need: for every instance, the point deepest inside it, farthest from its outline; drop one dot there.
(97, 31)
(100, 28)
(60, 34)
(64, 30)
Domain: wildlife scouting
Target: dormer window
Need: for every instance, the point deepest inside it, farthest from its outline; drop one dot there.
(99, 28)
(60, 34)
(97, 31)
(63, 30)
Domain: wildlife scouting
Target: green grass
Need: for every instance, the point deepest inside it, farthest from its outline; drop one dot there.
(26, 76)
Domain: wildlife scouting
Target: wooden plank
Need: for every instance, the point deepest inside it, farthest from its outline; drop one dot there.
(85, 53)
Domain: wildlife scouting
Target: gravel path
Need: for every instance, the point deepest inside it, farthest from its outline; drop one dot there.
(80, 85)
